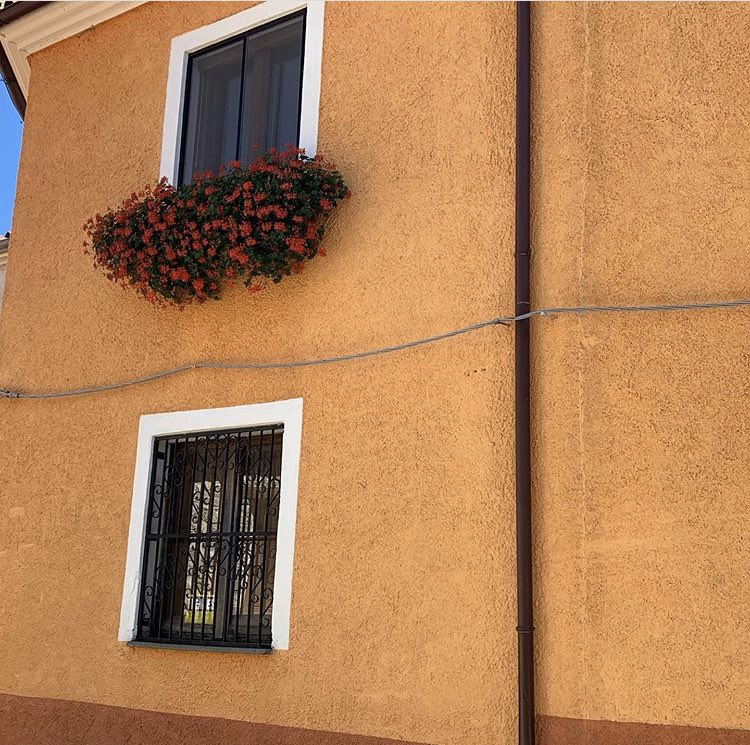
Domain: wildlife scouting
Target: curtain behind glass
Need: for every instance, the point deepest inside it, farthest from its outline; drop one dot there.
(267, 90)
(271, 99)
(213, 110)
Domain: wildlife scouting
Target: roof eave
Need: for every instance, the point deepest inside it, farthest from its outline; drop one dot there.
(11, 83)
(55, 21)
(9, 13)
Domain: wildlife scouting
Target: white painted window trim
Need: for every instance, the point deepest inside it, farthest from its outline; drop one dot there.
(193, 41)
(288, 413)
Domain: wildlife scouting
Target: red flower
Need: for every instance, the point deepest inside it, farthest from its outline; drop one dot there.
(297, 245)
(177, 244)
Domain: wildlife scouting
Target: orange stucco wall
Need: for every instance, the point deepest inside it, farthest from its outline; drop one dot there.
(403, 611)
(641, 421)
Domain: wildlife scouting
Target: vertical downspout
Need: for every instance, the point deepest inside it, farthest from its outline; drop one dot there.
(526, 729)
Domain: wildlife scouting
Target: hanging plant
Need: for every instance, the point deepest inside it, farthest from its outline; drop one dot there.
(175, 245)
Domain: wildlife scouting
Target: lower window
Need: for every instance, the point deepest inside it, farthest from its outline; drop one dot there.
(210, 541)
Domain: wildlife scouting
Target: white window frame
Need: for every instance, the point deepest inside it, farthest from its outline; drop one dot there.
(193, 41)
(288, 413)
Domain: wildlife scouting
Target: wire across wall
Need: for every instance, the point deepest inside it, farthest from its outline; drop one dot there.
(351, 356)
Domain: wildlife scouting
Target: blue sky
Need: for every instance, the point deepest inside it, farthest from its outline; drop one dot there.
(10, 145)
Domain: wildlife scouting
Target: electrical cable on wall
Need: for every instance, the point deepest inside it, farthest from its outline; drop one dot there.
(287, 364)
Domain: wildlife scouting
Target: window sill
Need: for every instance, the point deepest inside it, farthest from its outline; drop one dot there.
(201, 648)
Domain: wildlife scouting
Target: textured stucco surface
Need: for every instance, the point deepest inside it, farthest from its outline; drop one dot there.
(641, 422)
(403, 600)
(403, 612)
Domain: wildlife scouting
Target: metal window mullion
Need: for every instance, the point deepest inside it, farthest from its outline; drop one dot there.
(234, 531)
(215, 533)
(275, 493)
(167, 483)
(209, 522)
(219, 583)
(185, 536)
(221, 611)
(176, 497)
(147, 547)
(241, 545)
(253, 544)
(242, 97)
(218, 611)
(185, 116)
(195, 537)
(265, 540)
(215, 556)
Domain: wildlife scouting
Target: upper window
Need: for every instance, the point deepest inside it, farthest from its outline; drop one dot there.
(243, 96)
(242, 85)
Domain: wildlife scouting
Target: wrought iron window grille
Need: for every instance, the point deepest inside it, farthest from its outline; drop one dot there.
(210, 544)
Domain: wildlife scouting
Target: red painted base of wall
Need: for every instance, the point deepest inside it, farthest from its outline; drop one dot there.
(562, 731)
(47, 721)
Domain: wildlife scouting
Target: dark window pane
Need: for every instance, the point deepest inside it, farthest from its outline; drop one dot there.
(271, 98)
(237, 113)
(213, 110)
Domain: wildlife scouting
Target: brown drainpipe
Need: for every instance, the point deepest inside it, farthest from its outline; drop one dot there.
(526, 717)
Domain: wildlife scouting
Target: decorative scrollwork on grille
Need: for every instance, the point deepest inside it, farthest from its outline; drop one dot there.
(210, 548)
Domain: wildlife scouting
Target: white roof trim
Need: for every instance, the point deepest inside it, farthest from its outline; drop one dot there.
(50, 24)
